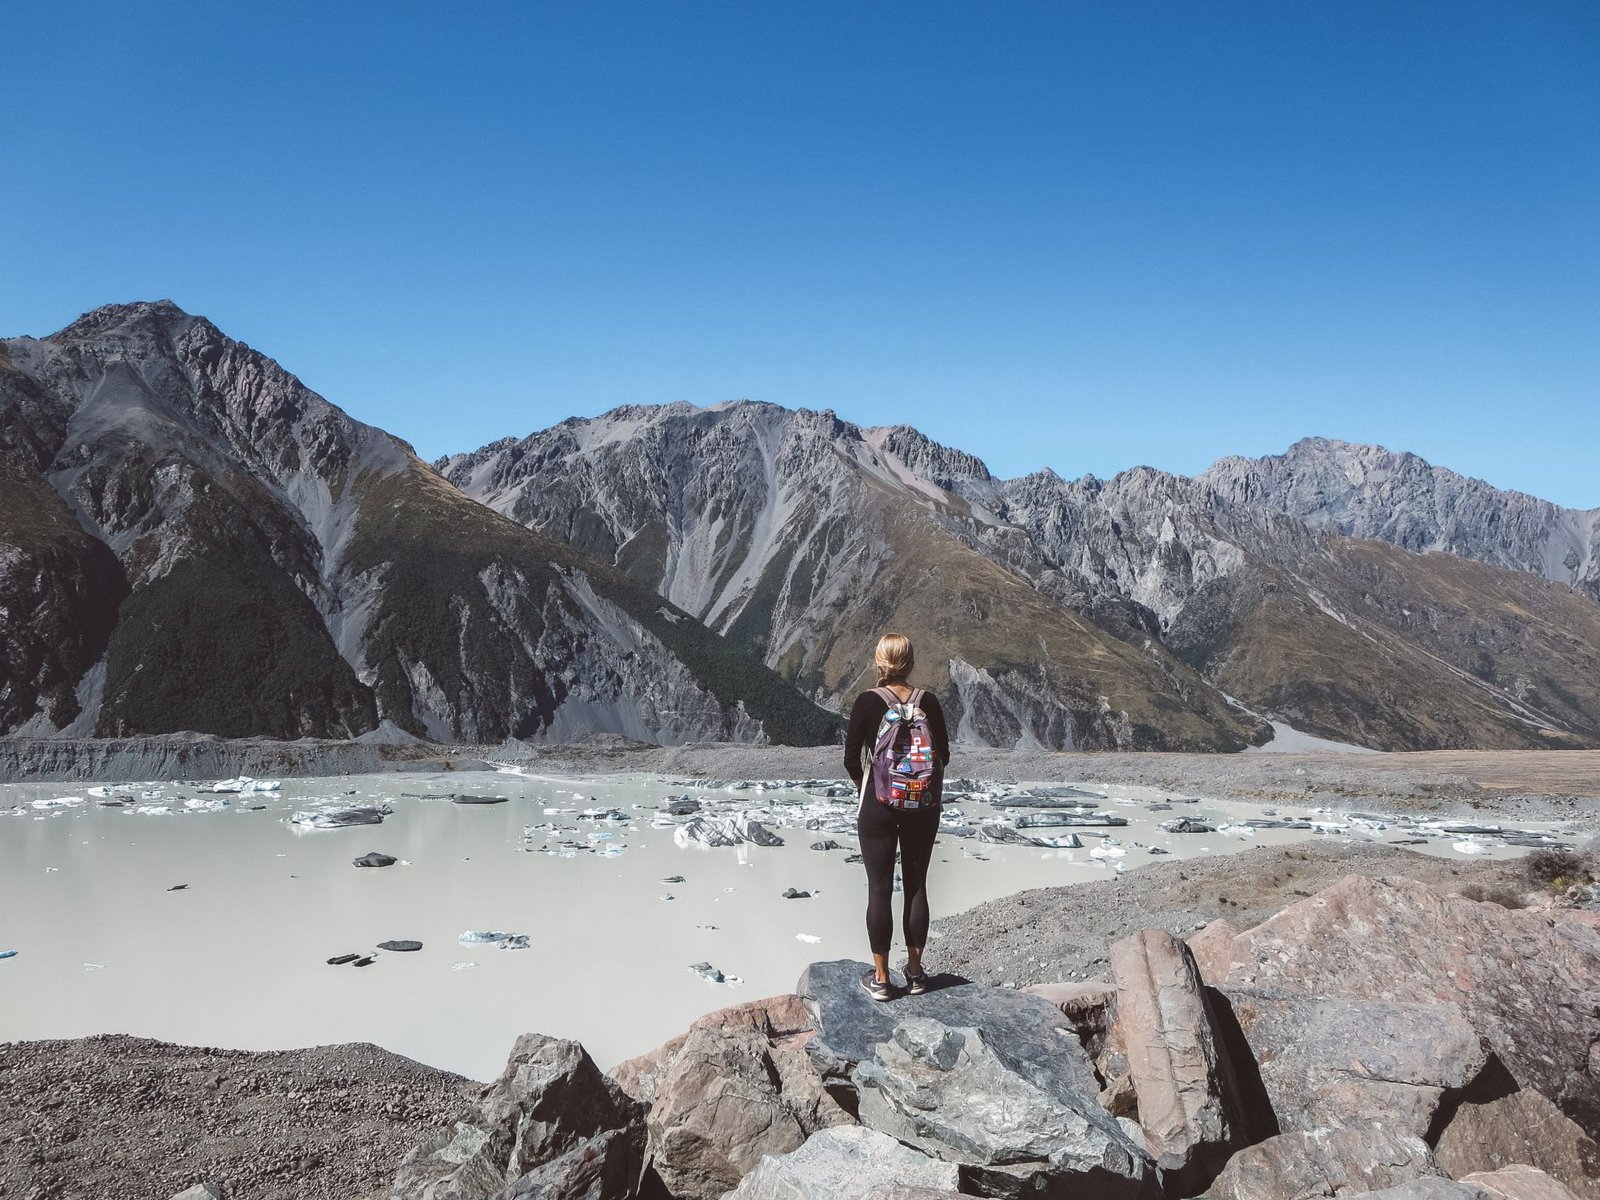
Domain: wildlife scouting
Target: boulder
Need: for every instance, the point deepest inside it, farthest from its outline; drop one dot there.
(846, 1163)
(1309, 1163)
(1212, 948)
(1166, 1035)
(375, 859)
(1526, 981)
(1518, 1182)
(1027, 1029)
(736, 1086)
(1086, 1006)
(1332, 1061)
(552, 1115)
(1425, 1187)
(947, 1091)
(1494, 1123)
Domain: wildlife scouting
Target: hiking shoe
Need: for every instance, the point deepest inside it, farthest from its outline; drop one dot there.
(917, 984)
(876, 989)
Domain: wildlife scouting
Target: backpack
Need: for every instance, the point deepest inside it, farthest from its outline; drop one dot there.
(906, 772)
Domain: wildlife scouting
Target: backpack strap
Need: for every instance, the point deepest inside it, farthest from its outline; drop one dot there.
(887, 696)
(916, 697)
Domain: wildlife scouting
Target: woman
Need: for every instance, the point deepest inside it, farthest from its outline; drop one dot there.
(883, 829)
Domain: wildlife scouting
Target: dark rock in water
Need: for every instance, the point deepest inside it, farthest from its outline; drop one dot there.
(855, 858)
(478, 799)
(1187, 825)
(795, 894)
(375, 859)
(673, 879)
(179, 887)
(954, 1093)
(365, 961)
(339, 960)
(706, 971)
(1027, 1029)
(551, 1126)
(683, 806)
(830, 844)
(403, 945)
(1159, 850)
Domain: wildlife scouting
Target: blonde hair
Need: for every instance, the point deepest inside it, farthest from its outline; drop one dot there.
(893, 658)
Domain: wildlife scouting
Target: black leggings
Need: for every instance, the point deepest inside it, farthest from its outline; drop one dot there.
(881, 829)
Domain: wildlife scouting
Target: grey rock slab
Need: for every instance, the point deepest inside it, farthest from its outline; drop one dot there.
(1528, 982)
(1519, 1182)
(1029, 1030)
(550, 1102)
(1309, 1163)
(1187, 1098)
(1427, 1187)
(738, 1085)
(844, 1163)
(1328, 1061)
(376, 859)
(947, 1091)
(200, 1191)
(1493, 1122)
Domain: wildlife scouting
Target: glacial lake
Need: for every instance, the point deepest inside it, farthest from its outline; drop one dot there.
(236, 956)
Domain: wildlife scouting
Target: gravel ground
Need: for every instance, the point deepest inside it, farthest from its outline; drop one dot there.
(137, 1119)
(1052, 934)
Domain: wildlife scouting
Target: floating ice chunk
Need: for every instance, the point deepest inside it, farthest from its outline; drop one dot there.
(338, 818)
(707, 831)
(486, 937)
(1469, 845)
(59, 802)
(197, 804)
(153, 810)
(463, 966)
(246, 786)
(1239, 830)
(810, 939)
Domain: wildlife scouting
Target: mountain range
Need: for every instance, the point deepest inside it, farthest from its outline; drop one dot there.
(191, 539)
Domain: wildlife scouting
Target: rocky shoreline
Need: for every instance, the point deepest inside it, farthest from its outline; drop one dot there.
(1529, 785)
(1357, 1020)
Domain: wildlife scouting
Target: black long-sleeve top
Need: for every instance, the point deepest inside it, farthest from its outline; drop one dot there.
(865, 717)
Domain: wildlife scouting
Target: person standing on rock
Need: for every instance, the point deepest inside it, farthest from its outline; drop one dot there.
(896, 752)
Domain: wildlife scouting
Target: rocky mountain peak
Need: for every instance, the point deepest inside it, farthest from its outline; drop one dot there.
(135, 321)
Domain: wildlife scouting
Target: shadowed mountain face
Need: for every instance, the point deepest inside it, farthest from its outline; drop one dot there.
(1088, 612)
(192, 539)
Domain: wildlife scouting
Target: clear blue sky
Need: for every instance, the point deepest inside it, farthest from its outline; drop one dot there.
(1078, 235)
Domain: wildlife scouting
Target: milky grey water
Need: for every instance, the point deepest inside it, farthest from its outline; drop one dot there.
(237, 957)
